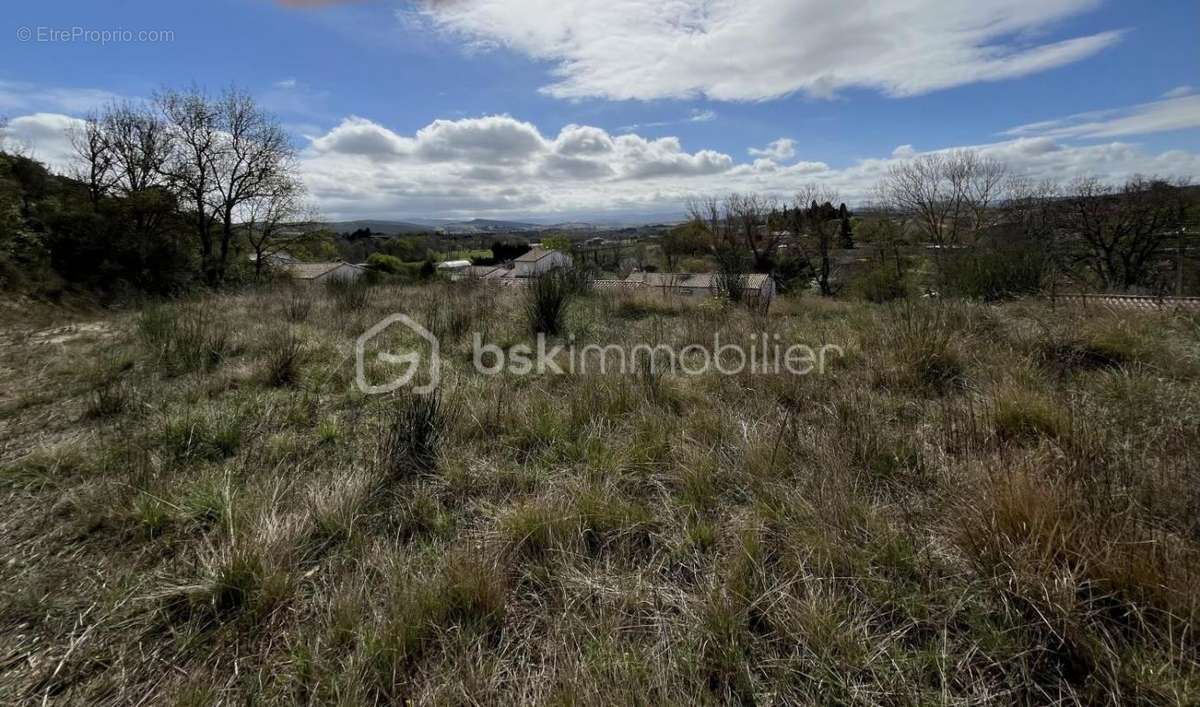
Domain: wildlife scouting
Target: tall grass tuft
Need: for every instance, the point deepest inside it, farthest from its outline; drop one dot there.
(413, 434)
(546, 301)
(184, 339)
(920, 339)
(348, 294)
(285, 357)
(298, 306)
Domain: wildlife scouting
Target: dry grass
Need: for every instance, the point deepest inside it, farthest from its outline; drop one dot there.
(976, 504)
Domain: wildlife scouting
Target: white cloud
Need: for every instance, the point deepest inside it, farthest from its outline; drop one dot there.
(44, 136)
(782, 149)
(761, 49)
(1178, 113)
(286, 83)
(1179, 91)
(500, 166)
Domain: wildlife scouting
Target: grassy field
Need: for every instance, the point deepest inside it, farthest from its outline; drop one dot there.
(976, 504)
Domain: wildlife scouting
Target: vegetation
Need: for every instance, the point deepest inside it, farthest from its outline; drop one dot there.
(975, 504)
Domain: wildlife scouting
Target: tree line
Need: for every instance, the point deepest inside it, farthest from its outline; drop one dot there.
(162, 194)
(989, 232)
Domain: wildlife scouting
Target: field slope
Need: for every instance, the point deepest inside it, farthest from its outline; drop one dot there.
(975, 504)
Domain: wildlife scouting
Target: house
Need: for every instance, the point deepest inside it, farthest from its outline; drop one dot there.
(323, 272)
(538, 261)
(754, 286)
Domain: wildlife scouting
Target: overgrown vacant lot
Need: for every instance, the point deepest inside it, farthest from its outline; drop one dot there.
(976, 504)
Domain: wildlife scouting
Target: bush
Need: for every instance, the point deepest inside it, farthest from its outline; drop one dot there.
(381, 262)
(881, 284)
(993, 275)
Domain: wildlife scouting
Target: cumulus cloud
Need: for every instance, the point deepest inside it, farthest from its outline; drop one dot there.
(500, 166)
(1176, 113)
(45, 137)
(782, 149)
(761, 49)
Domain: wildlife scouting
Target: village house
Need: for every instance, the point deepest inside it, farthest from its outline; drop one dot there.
(538, 261)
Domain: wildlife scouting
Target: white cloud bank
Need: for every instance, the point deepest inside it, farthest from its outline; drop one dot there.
(501, 166)
(1180, 111)
(760, 49)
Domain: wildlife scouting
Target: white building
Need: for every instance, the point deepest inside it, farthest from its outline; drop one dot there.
(538, 261)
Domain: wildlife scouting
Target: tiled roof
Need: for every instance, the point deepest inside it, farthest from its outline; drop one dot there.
(534, 255)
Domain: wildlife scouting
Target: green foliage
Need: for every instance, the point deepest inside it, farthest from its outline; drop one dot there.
(881, 284)
(383, 262)
(990, 275)
(557, 242)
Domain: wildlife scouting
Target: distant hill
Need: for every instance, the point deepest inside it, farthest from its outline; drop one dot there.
(388, 228)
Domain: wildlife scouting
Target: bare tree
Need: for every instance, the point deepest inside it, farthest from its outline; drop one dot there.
(708, 212)
(276, 220)
(192, 119)
(1119, 235)
(253, 154)
(950, 195)
(748, 216)
(94, 156)
(139, 143)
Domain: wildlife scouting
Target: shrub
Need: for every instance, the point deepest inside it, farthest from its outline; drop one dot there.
(881, 284)
(993, 275)
(383, 262)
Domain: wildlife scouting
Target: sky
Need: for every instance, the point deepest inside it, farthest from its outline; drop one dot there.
(623, 109)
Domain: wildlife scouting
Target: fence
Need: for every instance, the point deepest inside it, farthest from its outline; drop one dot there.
(1145, 302)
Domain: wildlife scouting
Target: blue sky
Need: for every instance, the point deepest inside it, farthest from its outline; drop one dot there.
(692, 85)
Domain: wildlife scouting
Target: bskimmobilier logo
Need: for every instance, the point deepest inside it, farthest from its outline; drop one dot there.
(412, 359)
(757, 354)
